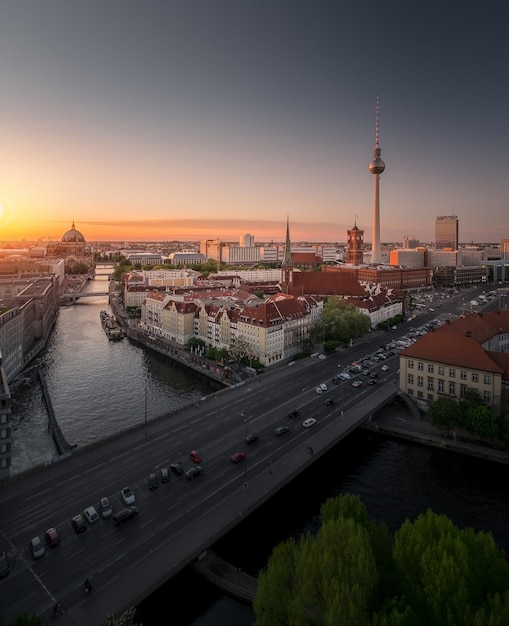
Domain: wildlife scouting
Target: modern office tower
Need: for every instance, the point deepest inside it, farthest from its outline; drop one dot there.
(247, 241)
(446, 232)
(355, 242)
(376, 167)
(410, 242)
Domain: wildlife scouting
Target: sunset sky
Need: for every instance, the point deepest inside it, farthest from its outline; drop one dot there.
(186, 119)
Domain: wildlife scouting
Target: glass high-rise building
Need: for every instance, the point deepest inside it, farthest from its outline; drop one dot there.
(446, 232)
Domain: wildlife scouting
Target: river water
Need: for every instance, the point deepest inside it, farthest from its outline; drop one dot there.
(100, 387)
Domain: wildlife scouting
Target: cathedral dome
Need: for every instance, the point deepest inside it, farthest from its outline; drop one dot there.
(73, 236)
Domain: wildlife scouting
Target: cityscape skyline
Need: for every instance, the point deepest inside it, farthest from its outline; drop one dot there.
(209, 120)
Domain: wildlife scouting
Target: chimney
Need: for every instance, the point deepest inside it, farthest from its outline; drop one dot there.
(469, 333)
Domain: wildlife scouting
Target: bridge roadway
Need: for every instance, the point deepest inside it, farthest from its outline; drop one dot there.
(181, 519)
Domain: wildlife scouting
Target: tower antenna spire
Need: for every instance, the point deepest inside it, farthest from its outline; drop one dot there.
(377, 131)
(376, 167)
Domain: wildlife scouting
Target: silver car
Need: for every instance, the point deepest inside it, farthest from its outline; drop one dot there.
(37, 548)
(105, 508)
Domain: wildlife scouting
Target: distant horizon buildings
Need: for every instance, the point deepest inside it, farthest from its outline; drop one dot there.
(446, 232)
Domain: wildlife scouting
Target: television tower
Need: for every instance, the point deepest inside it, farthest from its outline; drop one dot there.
(376, 167)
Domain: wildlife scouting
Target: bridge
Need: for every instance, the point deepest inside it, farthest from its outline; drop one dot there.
(180, 520)
(71, 298)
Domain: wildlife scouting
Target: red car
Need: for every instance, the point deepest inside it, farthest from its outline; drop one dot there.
(195, 457)
(238, 457)
(52, 537)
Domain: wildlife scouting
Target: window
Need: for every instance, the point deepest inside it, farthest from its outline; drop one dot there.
(410, 391)
(441, 386)
(463, 388)
(431, 382)
(430, 397)
(452, 373)
(441, 370)
(420, 366)
(4, 433)
(452, 389)
(410, 379)
(463, 375)
(420, 381)
(410, 364)
(487, 379)
(420, 394)
(431, 368)
(475, 377)
(486, 396)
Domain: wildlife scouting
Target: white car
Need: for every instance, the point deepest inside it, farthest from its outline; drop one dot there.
(323, 386)
(91, 514)
(385, 368)
(319, 390)
(309, 422)
(128, 496)
(105, 508)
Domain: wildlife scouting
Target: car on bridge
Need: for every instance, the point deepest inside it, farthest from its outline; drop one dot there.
(310, 421)
(165, 475)
(329, 402)
(357, 383)
(91, 514)
(152, 482)
(177, 468)
(237, 457)
(128, 496)
(250, 439)
(195, 457)
(293, 413)
(37, 549)
(125, 514)
(105, 508)
(281, 430)
(193, 472)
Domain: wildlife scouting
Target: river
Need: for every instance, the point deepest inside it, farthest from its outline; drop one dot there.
(99, 388)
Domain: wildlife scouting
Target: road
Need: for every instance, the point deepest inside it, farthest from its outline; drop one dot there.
(181, 518)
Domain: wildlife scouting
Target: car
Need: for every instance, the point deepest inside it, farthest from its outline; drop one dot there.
(177, 468)
(128, 496)
(329, 402)
(125, 514)
(79, 524)
(52, 537)
(281, 430)
(310, 421)
(152, 482)
(105, 508)
(385, 368)
(372, 381)
(37, 548)
(373, 375)
(165, 475)
(357, 383)
(319, 390)
(323, 386)
(193, 472)
(91, 514)
(237, 457)
(195, 457)
(5, 568)
(293, 413)
(250, 439)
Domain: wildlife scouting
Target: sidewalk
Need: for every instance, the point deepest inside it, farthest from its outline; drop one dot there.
(406, 423)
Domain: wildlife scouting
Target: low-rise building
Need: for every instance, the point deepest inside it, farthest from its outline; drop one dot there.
(471, 351)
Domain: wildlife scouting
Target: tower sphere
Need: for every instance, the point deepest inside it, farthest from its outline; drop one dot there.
(377, 166)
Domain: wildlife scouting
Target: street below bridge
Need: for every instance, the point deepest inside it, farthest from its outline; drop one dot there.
(180, 519)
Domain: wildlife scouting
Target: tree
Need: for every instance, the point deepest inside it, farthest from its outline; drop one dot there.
(126, 619)
(340, 322)
(353, 572)
(445, 414)
(482, 422)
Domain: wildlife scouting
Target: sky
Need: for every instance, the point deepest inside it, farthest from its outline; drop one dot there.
(158, 120)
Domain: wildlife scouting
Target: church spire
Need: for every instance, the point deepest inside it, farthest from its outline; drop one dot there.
(287, 261)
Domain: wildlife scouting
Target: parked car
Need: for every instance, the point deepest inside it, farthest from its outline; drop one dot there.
(237, 457)
(152, 482)
(385, 368)
(128, 496)
(52, 537)
(105, 508)
(374, 375)
(281, 430)
(91, 514)
(195, 457)
(177, 468)
(319, 390)
(5, 568)
(37, 548)
(357, 383)
(193, 472)
(165, 475)
(323, 386)
(372, 381)
(329, 402)
(125, 514)
(250, 439)
(293, 413)
(310, 421)
(79, 524)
